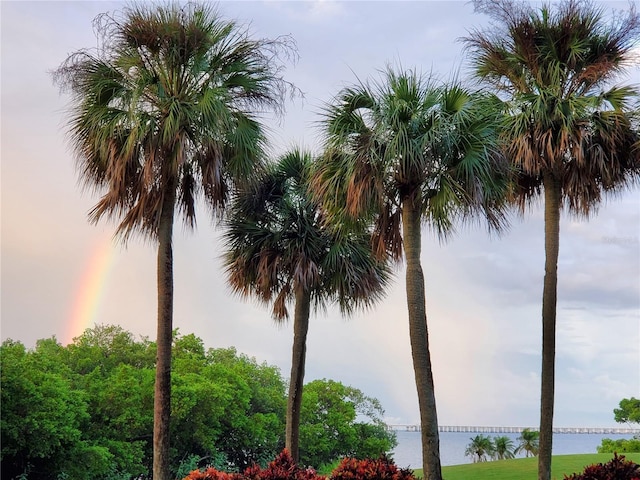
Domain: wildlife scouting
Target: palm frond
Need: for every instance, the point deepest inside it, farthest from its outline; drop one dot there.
(412, 139)
(279, 241)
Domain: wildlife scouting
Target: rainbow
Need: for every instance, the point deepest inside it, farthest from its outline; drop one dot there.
(90, 290)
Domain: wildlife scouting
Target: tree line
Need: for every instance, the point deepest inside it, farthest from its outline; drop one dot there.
(165, 111)
(86, 410)
(628, 412)
(483, 447)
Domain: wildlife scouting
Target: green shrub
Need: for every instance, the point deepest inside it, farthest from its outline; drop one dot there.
(631, 445)
(327, 468)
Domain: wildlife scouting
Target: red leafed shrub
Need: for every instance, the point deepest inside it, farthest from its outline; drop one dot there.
(282, 468)
(615, 469)
(212, 474)
(369, 469)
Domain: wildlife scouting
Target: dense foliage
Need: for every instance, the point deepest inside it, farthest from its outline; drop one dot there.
(43, 416)
(629, 412)
(86, 410)
(332, 424)
(622, 445)
(616, 469)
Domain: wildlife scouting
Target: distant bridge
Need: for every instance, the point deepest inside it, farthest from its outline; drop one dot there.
(472, 429)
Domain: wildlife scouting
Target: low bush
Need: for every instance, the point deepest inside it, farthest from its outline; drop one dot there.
(212, 474)
(631, 445)
(281, 468)
(368, 469)
(616, 469)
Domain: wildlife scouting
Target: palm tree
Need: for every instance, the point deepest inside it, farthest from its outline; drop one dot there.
(570, 135)
(407, 152)
(479, 449)
(281, 250)
(529, 441)
(503, 448)
(163, 110)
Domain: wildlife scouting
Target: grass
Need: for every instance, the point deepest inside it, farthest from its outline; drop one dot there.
(525, 468)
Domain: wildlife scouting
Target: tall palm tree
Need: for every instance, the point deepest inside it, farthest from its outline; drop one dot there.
(165, 109)
(282, 250)
(529, 441)
(503, 448)
(407, 151)
(569, 133)
(479, 449)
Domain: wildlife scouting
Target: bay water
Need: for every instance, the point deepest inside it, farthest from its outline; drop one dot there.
(408, 452)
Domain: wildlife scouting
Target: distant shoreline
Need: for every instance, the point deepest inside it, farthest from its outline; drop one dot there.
(453, 444)
(485, 429)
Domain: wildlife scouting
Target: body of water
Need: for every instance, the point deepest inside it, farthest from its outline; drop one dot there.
(408, 453)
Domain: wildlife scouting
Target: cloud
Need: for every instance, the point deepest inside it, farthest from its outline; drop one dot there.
(312, 12)
(323, 10)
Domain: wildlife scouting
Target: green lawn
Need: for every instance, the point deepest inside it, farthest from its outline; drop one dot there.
(525, 468)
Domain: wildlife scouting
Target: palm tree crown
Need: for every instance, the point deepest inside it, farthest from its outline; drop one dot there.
(555, 67)
(408, 138)
(503, 448)
(279, 241)
(170, 100)
(480, 448)
(529, 441)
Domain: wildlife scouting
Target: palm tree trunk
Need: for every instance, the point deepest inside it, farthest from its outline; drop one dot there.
(411, 231)
(294, 402)
(162, 394)
(552, 196)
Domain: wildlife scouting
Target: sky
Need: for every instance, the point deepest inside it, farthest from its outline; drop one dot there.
(61, 274)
